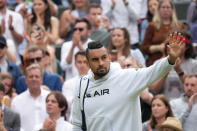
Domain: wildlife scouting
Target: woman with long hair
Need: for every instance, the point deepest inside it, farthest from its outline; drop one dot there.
(164, 22)
(41, 16)
(161, 109)
(120, 41)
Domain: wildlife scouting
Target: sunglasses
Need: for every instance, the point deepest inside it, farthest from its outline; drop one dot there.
(2, 46)
(79, 29)
(37, 59)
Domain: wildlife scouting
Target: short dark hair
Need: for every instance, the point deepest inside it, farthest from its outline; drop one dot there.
(82, 53)
(93, 45)
(61, 100)
(89, 26)
(94, 5)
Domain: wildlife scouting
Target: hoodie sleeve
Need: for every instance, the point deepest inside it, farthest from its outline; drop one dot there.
(143, 77)
(76, 118)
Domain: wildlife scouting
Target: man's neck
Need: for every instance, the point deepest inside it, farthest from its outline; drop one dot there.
(55, 116)
(35, 93)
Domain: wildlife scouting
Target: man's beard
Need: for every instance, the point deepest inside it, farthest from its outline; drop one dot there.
(101, 74)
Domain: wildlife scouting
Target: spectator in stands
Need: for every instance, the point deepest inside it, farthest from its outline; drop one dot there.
(185, 107)
(78, 10)
(11, 29)
(70, 86)
(152, 7)
(120, 41)
(171, 124)
(79, 42)
(192, 19)
(35, 54)
(164, 22)
(124, 13)
(161, 109)
(37, 35)
(56, 107)
(9, 119)
(5, 64)
(10, 93)
(31, 103)
(41, 15)
(100, 24)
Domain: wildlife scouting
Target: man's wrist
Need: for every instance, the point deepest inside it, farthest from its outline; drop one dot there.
(171, 60)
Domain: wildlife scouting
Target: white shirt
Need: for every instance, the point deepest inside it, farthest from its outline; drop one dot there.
(68, 91)
(70, 69)
(112, 102)
(18, 25)
(61, 125)
(124, 16)
(32, 111)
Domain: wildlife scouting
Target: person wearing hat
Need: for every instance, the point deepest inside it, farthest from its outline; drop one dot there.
(6, 65)
(170, 124)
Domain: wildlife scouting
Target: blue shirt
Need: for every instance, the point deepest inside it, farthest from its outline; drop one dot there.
(53, 81)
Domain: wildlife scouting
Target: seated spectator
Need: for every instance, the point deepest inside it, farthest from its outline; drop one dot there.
(100, 24)
(78, 10)
(170, 124)
(31, 103)
(161, 109)
(56, 107)
(5, 64)
(9, 119)
(152, 7)
(70, 85)
(41, 15)
(79, 42)
(10, 93)
(185, 107)
(124, 14)
(120, 41)
(164, 22)
(35, 54)
(11, 29)
(37, 35)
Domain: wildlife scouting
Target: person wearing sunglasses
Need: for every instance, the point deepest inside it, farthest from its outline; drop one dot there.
(36, 55)
(6, 65)
(79, 42)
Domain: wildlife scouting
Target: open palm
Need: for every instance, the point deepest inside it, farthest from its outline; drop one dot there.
(175, 46)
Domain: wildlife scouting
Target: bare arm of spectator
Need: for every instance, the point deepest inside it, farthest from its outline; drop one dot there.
(178, 69)
(17, 37)
(53, 36)
(146, 96)
(53, 8)
(158, 85)
(76, 43)
(66, 21)
(11, 56)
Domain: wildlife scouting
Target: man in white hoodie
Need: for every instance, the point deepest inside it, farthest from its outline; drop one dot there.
(111, 95)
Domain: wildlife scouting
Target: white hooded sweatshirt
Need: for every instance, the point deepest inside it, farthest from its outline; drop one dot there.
(112, 102)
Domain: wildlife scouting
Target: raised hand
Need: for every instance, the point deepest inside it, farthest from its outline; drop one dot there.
(175, 46)
(192, 100)
(49, 124)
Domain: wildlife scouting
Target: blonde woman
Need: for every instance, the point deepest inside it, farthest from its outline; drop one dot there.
(163, 23)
